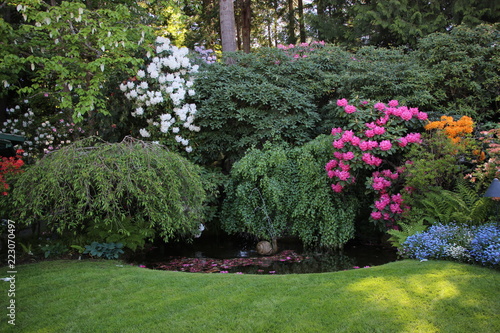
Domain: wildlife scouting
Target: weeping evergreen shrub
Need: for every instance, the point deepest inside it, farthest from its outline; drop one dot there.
(112, 192)
(282, 191)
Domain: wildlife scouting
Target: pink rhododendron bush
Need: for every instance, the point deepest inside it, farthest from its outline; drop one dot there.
(374, 139)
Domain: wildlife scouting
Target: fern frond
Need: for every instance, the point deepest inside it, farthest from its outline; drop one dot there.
(463, 205)
(398, 237)
(440, 206)
(466, 192)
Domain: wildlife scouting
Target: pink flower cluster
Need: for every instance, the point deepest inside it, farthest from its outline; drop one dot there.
(402, 112)
(345, 104)
(374, 138)
(365, 146)
(388, 206)
(338, 168)
(300, 50)
(371, 159)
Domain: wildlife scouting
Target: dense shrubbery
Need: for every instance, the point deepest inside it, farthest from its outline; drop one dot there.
(284, 95)
(488, 161)
(266, 95)
(434, 175)
(127, 192)
(465, 68)
(262, 113)
(456, 242)
(280, 191)
(382, 74)
(69, 57)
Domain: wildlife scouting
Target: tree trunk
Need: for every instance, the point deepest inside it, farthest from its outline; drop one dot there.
(302, 26)
(292, 39)
(269, 35)
(246, 16)
(238, 31)
(321, 13)
(227, 26)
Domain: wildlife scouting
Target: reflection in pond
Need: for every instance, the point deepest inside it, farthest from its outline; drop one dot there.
(291, 259)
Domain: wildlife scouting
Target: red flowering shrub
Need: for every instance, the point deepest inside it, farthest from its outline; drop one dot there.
(10, 165)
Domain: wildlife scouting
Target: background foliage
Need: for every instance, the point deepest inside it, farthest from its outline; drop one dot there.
(69, 53)
(465, 67)
(264, 96)
(392, 23)
(285, 94)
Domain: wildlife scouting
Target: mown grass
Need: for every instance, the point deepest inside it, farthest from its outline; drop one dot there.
(405, 296)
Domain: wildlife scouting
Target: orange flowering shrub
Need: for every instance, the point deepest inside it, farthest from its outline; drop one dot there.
(455, 130)
(459, 132)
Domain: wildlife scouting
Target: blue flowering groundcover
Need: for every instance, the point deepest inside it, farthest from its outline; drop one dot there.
(474, 244)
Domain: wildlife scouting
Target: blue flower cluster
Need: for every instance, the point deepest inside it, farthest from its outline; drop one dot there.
(456, 242)
(485, 246)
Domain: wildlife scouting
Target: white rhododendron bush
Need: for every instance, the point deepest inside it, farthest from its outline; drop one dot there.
(161, 93)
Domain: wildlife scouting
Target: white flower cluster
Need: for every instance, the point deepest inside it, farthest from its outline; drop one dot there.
(42, 137)
(17, 125)
(168, 77)
(458, 252)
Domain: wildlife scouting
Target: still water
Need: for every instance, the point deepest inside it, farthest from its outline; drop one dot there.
(237, 256)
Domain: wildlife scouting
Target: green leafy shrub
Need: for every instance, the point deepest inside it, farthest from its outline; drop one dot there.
(434, 182)
(213, 183)
(279, 191)
(123, 192)
(285, 94)
(52, 46)
(53, 249)
(434, 164)
(465, 65)
(382, 74)
(104, 250)
(263, 96)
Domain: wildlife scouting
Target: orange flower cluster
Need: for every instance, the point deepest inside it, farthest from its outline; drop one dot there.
(455, 130)
(481, 155)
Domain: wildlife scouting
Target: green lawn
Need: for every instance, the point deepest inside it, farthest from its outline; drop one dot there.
(405, 296)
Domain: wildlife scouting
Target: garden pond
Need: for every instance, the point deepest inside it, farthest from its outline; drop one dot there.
(241, 257)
